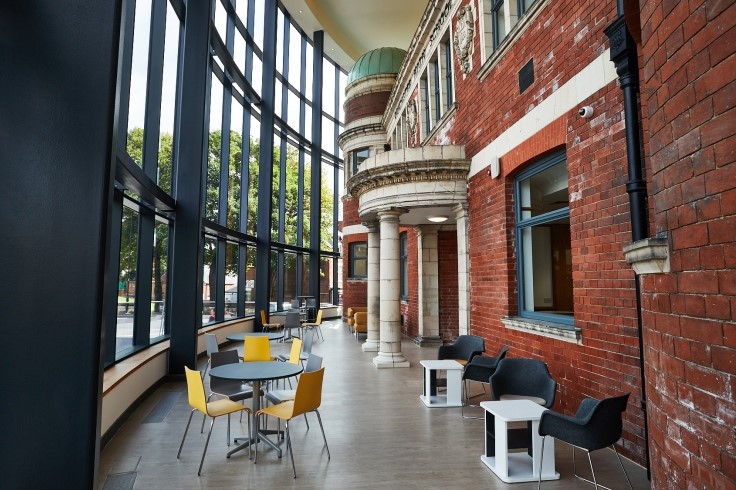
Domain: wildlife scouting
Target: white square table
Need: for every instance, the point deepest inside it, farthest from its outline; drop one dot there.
(454, 374)
(518, 466)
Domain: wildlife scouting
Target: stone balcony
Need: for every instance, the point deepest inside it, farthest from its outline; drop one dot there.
(410, 178)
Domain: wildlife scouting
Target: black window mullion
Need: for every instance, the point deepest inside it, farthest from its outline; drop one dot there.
(437, 99)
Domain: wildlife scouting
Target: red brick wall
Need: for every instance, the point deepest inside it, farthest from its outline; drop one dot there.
(410, 307)
(566, 37)
(688, 314)
(370, 104)
(447, 251)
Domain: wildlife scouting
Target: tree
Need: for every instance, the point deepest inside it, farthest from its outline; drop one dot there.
(236, 176)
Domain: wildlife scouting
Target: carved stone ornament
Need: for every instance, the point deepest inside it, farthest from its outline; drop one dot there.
(464, 37)
(411, 121)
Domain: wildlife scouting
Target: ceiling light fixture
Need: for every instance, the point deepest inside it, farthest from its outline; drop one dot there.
(437, 219)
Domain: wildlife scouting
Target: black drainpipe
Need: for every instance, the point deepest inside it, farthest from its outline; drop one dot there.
(623, 55)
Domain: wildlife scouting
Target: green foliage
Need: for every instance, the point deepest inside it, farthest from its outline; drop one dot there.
(235, 177)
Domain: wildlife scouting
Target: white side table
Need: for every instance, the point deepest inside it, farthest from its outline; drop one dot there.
(454, 374)
(517, 467)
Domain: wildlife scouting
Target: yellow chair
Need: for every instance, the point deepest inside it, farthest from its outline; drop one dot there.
(256, 349)
(214, 409)
(269, 326)
(317, 324)
(308, 398)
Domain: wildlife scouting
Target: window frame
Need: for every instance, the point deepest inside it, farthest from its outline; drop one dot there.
(521, 224)
(353, 258)
(355, 154)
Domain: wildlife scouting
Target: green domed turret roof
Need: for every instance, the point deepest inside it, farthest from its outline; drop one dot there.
(381, 60)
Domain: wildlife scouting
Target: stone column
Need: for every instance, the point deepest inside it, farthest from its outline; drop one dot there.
(429, 297)
(463, 268)
(389, 354)
(371, 343)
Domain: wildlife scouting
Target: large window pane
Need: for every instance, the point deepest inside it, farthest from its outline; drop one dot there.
(327, 200)
(209, 282)
(255, 129)
(139, 72)
(213, 151)
(231, 280)
(291, 194)
(168, 99)
(250, 281)
(126, 279)
(160, 268)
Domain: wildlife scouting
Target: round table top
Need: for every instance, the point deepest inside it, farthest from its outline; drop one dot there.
(256, 371)
(240, 336)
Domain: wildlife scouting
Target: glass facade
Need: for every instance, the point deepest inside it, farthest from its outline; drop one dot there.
(265, 83)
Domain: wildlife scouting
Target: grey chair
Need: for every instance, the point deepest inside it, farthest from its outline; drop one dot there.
(210, 343)
(519, 378)
(292, 321)
(463, 350)
(307, 342)
(597, 424)
(522, 379)
(234, 390)
(480, 369)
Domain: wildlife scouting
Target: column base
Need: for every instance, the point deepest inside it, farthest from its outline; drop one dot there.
(428, 341)
(370, 346)
(390, 360)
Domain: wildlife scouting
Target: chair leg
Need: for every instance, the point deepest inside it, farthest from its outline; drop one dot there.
(319, 418)
(595, 482)
(622, 467)
(306, 421)
(185, 432)
(541, 460)
(228, 431)
(207, 442)
(289, 448)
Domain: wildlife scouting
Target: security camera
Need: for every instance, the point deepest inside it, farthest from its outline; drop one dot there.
(586, 111)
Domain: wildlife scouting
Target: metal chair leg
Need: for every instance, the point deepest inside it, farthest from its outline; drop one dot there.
(199, 472)
(289, 448)
(541, 460)
(622, 467)
(185, 432)
(595, 482)
(319, 418)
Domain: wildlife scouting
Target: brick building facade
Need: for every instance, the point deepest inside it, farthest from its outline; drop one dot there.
(645, 302)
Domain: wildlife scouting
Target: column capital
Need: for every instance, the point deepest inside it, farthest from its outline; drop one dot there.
(372, 225)
(460, 210)
(390, 214)
(431, 229)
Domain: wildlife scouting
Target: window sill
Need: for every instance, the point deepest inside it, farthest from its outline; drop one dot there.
(545, 329)
(357, 279)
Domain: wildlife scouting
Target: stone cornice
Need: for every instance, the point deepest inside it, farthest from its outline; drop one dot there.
(403, 172)
(362, 130)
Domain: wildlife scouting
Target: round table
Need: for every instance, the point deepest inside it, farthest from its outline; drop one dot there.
(240, 336)
(256, 372)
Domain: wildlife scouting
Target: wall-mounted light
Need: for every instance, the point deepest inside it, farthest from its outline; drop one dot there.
(494, 168)
(437, 219)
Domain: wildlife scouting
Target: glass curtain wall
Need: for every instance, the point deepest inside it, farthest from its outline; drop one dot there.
(145, 206)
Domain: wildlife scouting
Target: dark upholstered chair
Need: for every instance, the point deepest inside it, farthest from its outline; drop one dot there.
(597, 424)
(463, 350)
(480, 369)
(523, 379)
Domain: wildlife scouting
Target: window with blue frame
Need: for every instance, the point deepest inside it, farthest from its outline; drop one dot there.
(543, 241)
